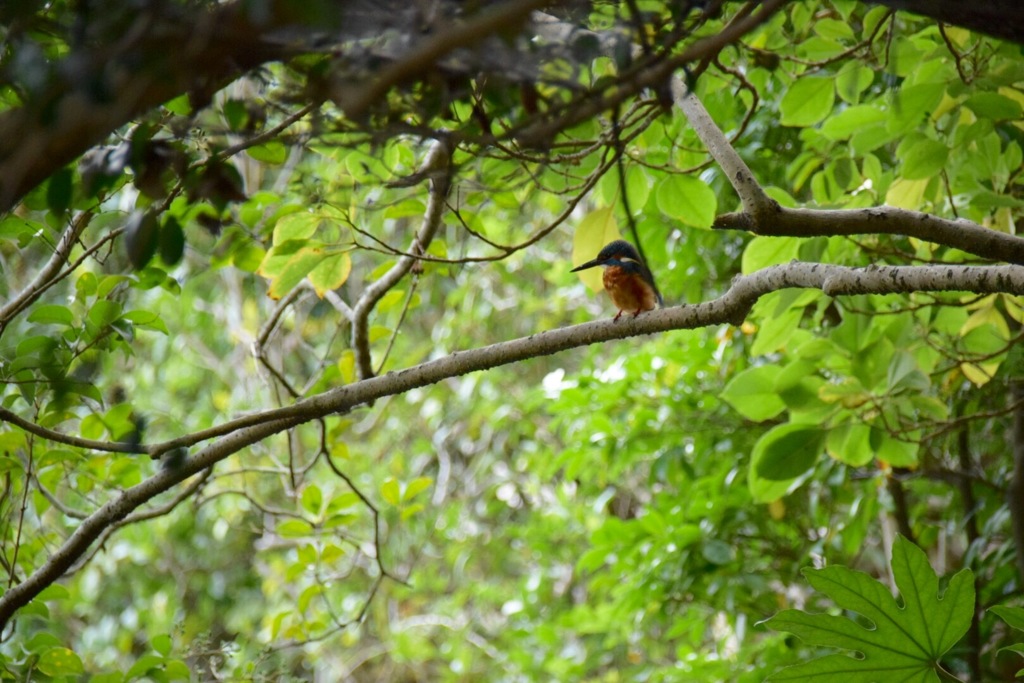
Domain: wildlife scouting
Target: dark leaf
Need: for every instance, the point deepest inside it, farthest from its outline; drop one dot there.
(141, 238)
(58, 191)
(172, 241)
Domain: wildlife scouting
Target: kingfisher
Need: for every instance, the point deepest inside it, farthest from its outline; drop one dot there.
(626, 279)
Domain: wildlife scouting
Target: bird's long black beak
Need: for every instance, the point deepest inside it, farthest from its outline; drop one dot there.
(588, 264)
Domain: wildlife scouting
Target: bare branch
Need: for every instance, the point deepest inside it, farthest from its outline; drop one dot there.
(66, 439)
(762, 215)
(437, 166)
(755, 201)
(961, 233)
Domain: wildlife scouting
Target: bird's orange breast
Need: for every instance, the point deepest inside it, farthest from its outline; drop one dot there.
(628, 290)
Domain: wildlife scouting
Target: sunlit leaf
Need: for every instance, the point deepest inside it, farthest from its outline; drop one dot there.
(808, 101)
(60, 661)
(687, 199)
(924, 159)
(752, 393)
(390, 492)
(331, 273)
(51, 314)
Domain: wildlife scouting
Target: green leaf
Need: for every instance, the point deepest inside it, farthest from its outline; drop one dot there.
(912, 104)
(147, 320)
(991, 105)
(179, 106)
(390, 491)
(833, 28)
(286, 268)
(752, 393)
(903, 643)
(924, 159)
(687, 199)
(60, 661)
(776, 330)
(143, 665)
(140, 238)
(1013, 616)
(787, 451)
(296, 226)
(762, 252)
(58, 191)
(235, 113)
(808, 101)
(850, 443)
(718, 552)
(906, 194)
(51, 314)
(415, 487)
(819, 48)
(312, 499)
(172, 241)
(54, 591)
(331, 272)
(162, 644)
(177, 670)
(104, 312)
(894, 451)
(853, 79)
(273, 152)
(294, 528)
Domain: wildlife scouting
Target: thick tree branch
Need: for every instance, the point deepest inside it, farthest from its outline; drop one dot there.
(762, 215)
(189, 52)
(961, 233)
(752, 196)
(730, 308)
(999, 18)
(186, 51)
(505, 17)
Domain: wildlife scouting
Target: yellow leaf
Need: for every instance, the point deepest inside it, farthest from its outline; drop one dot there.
(1013, 307)
(979, 373)
(958, 36)
(389, 491)
(947, 104)
(988, 315)
(330, 273)
(1003, 221)
(906, 194)
(347, 366)
(597, 229)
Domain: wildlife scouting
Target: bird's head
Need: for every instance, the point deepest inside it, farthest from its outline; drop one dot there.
(617, 253)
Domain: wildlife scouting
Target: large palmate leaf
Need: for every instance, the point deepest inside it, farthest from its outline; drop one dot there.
(903, 643)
